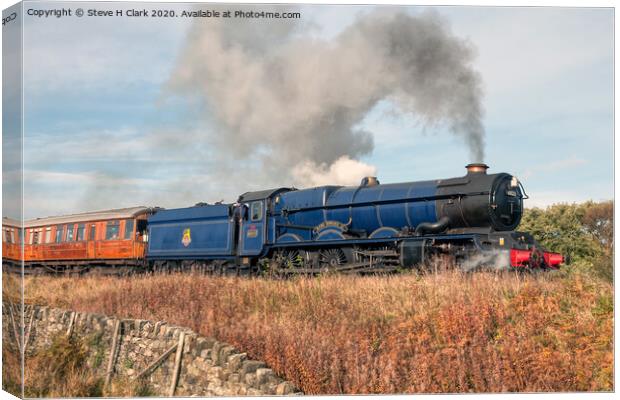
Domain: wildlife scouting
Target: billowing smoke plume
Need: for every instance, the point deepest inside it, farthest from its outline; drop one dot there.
(295, 102)
(344, 171)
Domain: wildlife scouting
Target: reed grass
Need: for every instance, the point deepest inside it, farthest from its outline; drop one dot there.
(407, 333)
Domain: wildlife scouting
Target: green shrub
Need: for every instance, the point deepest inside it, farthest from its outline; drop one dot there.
(583, 232)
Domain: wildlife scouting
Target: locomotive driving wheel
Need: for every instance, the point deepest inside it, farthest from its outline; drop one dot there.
(286, 262)
(330, 259)
(292, 259)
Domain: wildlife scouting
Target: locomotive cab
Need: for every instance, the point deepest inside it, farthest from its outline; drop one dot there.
(252, 232)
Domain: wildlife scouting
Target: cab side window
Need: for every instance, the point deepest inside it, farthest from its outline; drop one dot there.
(256, 211)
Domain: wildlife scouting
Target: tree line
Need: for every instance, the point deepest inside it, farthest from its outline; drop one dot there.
(584, 232)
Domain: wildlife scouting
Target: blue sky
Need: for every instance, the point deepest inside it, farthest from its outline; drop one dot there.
(101, 131)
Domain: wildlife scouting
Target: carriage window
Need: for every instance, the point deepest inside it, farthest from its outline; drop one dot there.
(128, 228)
(48, 235)
(257, 211)
(111, 230)
(69, 233)
(35, 237)
(80, 233)
(59, 232)
(93, 231)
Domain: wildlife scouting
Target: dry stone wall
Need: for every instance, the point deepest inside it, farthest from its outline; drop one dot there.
(171, 359)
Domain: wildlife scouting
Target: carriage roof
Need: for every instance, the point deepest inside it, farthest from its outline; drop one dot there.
(119, 213)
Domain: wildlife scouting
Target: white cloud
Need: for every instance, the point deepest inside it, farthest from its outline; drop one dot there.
(522, 47)
(54, 193)
(68, 54)
(553, 166)
(40, 177)
(545, 198)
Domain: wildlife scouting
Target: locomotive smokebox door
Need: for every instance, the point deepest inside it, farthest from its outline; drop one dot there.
(413, 253)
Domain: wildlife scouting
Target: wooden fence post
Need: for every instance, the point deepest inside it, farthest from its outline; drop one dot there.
(71, 322)
(29, 329)
(17, 337)
(108, 374)
(177, 365)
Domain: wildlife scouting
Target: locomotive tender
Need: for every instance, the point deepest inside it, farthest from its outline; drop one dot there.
(371, 227)
(467, 221)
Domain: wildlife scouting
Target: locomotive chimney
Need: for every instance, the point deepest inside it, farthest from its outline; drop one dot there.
(476, 168)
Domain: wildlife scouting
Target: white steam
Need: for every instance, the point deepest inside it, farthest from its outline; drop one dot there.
(490, 260)
(343, 171)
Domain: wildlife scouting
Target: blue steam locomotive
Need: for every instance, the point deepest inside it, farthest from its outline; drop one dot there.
(469, 221)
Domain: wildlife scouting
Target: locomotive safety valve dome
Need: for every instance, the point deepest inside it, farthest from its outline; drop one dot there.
(476, 168)
(369, 181)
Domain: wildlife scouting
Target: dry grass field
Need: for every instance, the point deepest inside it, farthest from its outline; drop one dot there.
(448, 332)
(61, 371)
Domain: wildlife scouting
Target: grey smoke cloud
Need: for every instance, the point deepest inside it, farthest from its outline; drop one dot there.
(280, 95)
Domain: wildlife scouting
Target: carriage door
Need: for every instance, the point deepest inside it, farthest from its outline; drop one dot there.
(92, 237)
(252, 230)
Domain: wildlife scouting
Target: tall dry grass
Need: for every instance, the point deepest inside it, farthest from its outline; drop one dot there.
(61, 371)
(394, 334)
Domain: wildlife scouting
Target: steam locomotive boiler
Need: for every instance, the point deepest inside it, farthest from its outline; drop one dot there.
(468, 220)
